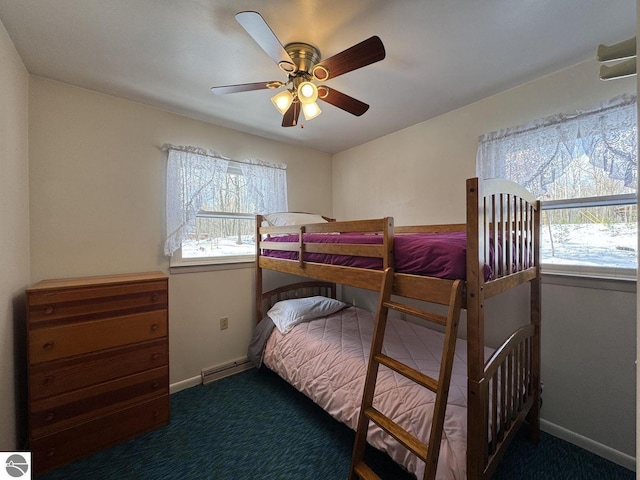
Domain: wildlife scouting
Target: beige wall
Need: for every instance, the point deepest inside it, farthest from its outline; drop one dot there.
(417, 175)
(14, 235)
(97, 192)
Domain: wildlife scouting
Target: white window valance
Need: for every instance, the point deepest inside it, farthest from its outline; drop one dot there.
(534, 155)
(194, 179)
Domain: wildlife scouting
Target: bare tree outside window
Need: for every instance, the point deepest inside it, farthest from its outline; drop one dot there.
(592, 235)
(224, 235)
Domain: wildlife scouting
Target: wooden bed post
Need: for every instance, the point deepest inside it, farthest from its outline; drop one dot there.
(476, 413)
(387, 235)
(258, 290)
(536, 296)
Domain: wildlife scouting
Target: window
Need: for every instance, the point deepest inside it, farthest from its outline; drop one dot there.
(211, 205)
(584, 169)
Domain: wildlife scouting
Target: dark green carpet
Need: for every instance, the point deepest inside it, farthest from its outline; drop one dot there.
(256, 426)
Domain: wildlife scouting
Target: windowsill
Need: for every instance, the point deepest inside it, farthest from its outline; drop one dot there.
(210, 267)
(594, 280)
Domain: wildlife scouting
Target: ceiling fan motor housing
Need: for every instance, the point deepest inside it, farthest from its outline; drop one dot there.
(304, 56)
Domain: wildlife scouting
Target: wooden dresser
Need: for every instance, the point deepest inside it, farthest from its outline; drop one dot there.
(98, 363)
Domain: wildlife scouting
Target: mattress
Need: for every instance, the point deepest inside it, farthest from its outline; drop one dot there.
(326, 359)
(441, 255)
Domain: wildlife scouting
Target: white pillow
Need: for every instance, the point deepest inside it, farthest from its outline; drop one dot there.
(289, 218)
(286, 314)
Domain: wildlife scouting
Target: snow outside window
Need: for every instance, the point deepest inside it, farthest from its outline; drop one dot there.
(584, 168)
(212, 202)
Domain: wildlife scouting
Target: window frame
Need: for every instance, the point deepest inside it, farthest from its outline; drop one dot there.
(605, 133)
(592, 271)
(193, 175)
(177, 260)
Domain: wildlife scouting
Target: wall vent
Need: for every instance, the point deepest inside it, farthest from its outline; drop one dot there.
(212, 374)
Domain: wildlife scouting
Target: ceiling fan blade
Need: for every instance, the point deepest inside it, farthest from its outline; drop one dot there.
(340, 100)
(290, 118)
(364, 53)
(256, 26)
(244, 87)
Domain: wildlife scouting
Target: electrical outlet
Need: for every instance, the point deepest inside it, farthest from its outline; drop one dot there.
(224, 323)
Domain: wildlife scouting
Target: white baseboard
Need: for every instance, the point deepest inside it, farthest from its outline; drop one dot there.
(184, 384)
(592, 446)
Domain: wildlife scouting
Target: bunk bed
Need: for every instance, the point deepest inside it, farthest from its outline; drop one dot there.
(501, 240)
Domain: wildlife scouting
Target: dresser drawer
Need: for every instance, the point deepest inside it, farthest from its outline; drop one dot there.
(63, 411)
(62, 447)
(47, 379)
(87, 303)
(51, 343)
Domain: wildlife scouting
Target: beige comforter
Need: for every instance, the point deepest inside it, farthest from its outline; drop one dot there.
(326, 360)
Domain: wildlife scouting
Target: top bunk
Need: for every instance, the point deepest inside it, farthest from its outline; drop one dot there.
(495, 250)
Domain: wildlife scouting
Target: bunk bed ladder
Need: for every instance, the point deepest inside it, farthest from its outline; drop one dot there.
(427, 453)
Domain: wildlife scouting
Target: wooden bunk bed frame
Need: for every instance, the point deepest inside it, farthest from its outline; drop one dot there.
(502, 218)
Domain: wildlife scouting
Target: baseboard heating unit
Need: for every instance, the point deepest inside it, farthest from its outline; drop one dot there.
(212, 374)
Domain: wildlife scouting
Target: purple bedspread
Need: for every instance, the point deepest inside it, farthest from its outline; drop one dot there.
(441, 255)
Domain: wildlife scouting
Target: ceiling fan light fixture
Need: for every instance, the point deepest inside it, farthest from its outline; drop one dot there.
(307, 92)
(311, 110)
(282, 101)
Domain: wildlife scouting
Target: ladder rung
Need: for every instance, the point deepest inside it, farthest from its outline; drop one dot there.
(411, 373)
(396, 431)
(363, 470)
(416, 312)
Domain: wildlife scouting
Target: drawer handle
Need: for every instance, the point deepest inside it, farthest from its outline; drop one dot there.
(51, 452)
(48, 345)
(47, 380)
(49, 310)
(154, 327)
(155, 385)
(154, 297)
(155, 356)
(156, 413)
(49, 417)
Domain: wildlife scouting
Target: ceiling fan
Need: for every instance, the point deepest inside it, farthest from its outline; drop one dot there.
(303, 65)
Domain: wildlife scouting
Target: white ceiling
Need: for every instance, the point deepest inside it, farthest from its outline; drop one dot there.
(440, 54)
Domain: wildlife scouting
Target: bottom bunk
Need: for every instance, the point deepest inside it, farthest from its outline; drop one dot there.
(326, 359)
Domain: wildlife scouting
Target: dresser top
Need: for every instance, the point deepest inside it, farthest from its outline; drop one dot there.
(62, 283)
